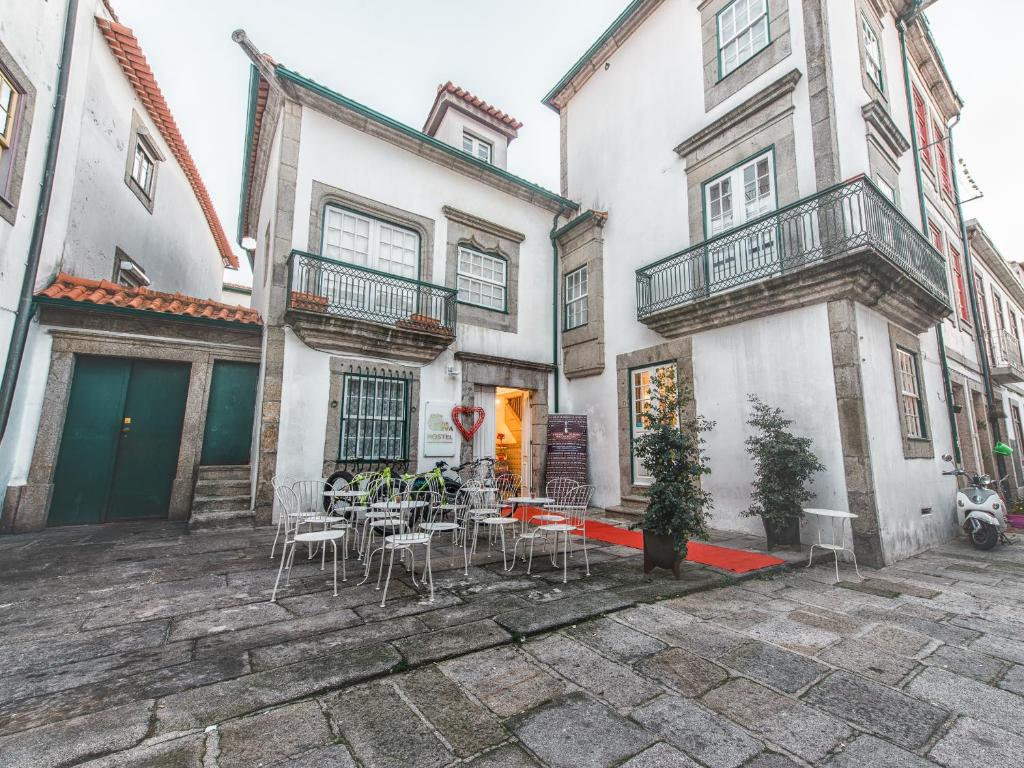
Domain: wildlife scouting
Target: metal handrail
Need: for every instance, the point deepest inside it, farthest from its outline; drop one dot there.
(1006, 352)
(329, 287)
(844, 217)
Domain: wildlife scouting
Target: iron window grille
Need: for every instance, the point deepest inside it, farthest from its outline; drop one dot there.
(374, 418)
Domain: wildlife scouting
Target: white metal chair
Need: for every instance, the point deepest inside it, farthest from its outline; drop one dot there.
(294, 537)
(485, 510)
(282, 518)
(575, 522)
(414, 528)
(561, 490)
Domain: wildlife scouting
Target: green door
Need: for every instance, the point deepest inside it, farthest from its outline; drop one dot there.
(229, 414)
(122, 434)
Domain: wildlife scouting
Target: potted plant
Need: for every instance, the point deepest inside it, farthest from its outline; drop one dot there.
(784, 464)
(672, 450)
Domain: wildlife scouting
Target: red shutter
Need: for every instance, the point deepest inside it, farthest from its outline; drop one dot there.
(958, 281)
(921, 115)
(944, 169)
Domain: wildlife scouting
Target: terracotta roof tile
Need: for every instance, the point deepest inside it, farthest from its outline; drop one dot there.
(126, 49)
(479, 103)
(106, 294)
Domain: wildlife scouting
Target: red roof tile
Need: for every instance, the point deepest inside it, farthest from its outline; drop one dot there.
(479, 103)
(126, 49)
(106, 294)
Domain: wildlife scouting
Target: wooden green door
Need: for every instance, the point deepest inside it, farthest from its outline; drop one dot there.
(122, 434)
(147, 456)
(229, 414)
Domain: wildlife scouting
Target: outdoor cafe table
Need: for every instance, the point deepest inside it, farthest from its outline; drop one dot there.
(530, 501)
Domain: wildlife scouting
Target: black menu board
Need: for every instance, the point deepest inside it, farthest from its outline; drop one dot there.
(567, 447)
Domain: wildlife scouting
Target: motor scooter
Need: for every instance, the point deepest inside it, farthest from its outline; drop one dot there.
(980, 509)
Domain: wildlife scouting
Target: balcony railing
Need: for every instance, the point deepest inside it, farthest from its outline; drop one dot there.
(335, 288)
(849, 216)
(1006, 356)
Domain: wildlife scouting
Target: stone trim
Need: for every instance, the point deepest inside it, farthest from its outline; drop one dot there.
(14, 165)
(581, 244)
(33, 500)
(339, 367)
(475, 222)
(821, 94)
(853, 431)
(866, 8)
(494, 240)
(913, 448)
(140, 133)
(883, 130)
(717, 88)
(678, 351)
(324, 195)
(272, 112)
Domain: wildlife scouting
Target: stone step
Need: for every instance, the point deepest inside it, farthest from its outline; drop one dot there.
(220, 487)
(220, 520)
(219, 503)
(225, 472)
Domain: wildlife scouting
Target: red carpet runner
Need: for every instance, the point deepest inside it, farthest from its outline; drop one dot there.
(735, 560)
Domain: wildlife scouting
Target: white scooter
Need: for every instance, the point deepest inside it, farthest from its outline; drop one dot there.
(980, 510)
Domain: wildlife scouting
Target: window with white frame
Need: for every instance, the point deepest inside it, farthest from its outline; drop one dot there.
(645, 385)
(367, 242)
(576, 291)
(743, 31)
(910, 394)
(143, 169)
(8, 112)
(373, 419)
(476, 146)
(886, 188)
(481, 279)
(872, 53)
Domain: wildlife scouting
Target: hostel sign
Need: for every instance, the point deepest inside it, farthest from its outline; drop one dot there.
(439, 439)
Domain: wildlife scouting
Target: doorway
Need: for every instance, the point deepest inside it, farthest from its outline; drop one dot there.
(227, 439)
(120, 442)
(512, 434)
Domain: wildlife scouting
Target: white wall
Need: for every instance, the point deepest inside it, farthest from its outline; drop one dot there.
(454, 122)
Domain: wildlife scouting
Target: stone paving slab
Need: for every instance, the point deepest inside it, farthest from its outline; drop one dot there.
(190, 665)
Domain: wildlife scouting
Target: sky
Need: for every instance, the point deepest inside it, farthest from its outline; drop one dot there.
(392, 54)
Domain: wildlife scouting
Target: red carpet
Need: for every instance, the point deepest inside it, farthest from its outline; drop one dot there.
(735, 560)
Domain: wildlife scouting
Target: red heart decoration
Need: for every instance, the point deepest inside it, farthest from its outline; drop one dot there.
(467, 410)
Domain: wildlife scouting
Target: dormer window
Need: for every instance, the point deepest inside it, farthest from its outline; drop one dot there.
(477, 147)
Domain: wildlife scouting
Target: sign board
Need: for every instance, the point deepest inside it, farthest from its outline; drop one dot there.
(439, 436)
(567, 447)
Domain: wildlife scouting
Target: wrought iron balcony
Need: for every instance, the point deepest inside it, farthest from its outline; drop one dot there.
(383, 314)
(1007, 366)
(850, 218)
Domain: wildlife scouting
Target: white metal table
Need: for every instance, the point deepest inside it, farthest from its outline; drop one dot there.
(837, 519)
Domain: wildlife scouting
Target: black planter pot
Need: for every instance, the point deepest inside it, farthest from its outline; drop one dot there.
(660, 551)
(786, 534)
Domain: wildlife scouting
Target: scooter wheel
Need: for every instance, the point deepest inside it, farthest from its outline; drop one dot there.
(984, 536)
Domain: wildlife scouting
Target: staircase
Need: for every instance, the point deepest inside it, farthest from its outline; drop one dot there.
(221, 499)
(629, 509)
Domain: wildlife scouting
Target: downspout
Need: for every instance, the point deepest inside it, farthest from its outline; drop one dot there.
(972, 295)
(555, 292)
(23, 316)
(947, 385)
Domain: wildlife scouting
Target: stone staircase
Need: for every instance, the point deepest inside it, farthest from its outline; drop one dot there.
(629, 509)
(221, 499)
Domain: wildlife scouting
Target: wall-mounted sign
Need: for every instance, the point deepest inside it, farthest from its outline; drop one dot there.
(567, 447)
(439, 437)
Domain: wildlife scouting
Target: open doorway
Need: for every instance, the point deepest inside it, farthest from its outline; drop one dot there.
(512, 434)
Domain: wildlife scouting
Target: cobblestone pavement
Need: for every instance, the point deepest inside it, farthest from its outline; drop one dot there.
(141, 645)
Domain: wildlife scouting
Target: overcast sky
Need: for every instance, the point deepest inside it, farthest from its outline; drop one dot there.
(392, 54)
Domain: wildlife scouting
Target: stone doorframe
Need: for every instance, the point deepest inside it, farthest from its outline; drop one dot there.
(678, 351)
(31, 507)
(488, 371)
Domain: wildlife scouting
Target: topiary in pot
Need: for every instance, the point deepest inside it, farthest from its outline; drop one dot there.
(672, 450)
(783, 467)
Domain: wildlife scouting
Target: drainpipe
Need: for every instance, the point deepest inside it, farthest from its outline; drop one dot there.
(554, 307)
(972, 295)
(23, 316)
(947, 385)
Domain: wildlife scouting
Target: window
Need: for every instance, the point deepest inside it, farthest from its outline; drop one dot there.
(143, 166)
(1015, 333)
(921, 118)
(910, 394)
(1018, 432)
(366, 242)
(983, 317)
(742, 32)
(373, 421)
(958, 283)
(476, 147)
(886, 188)
(576, 299)
(481, 279)
(943, 158)
(642, 383)
(127, 272)
(872, 53)
(8, 112)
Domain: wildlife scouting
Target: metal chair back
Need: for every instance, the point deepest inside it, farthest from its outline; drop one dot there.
(577, 504)
(560, 489)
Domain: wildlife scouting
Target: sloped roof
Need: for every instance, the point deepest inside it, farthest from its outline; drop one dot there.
(475, 101)
(126, 49)
(103, 293)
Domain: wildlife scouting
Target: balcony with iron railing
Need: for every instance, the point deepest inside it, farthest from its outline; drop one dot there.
(1005, 354)
(846, 241)
(351, 309)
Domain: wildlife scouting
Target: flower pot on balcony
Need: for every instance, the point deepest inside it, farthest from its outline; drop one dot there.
(312, 302)
(660, 551)
(422, 323)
